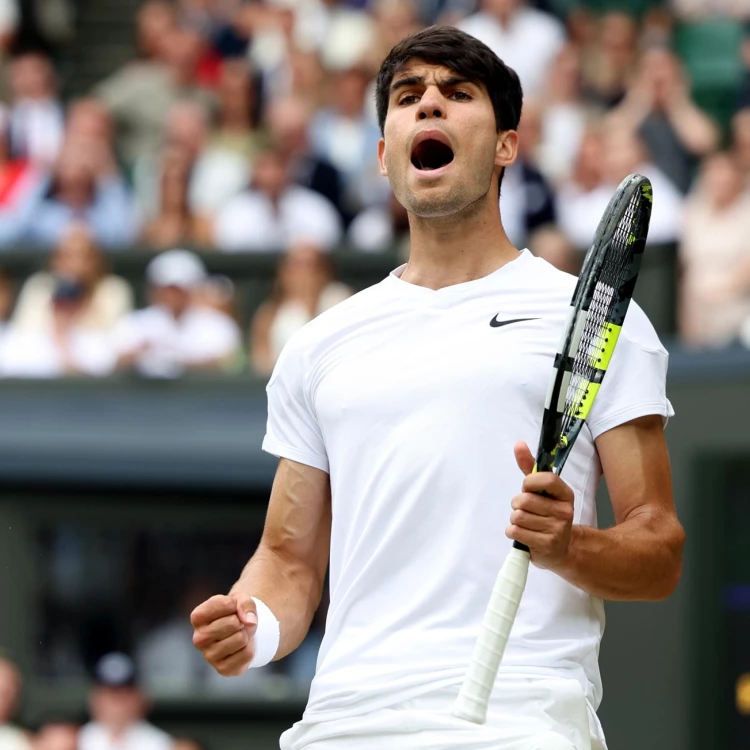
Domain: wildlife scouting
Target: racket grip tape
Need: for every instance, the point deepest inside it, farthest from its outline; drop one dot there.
(474, 696)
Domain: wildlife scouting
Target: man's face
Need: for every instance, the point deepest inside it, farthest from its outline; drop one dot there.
(441, 150)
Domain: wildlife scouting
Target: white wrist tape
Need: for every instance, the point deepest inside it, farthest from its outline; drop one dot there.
(267, 635)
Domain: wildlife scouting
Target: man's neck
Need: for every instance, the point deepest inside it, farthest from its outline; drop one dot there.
(454, 250)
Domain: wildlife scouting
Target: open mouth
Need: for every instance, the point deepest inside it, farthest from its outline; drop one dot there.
(431, 154)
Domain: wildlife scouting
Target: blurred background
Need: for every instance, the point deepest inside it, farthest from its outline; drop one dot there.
(182, 186)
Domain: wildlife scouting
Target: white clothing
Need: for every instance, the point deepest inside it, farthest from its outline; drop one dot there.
(250, 221)
(140, 736)
(579, 212)
(37, 127)
(199, 336)
(9, 15)
(12, 738)
(412, 402)
(36, 353)
(715, 247)
(527, 712)
(528, 44)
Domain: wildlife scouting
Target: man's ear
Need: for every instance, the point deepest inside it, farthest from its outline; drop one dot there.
(506, 148)
(381, 158)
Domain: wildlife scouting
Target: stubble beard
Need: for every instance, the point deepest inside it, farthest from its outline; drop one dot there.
(460, 200)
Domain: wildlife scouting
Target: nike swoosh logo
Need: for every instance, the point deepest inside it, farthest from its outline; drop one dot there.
(495, 323)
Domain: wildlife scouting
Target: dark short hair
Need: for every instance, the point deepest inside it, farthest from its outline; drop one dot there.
(464, 55)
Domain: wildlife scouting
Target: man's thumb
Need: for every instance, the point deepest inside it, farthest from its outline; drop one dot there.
(524, 458)
(245, 608)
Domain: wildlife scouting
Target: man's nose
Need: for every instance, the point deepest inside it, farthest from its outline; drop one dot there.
(431, 104)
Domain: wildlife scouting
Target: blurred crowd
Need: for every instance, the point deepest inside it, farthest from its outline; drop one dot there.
(117, 711)
(248, 126)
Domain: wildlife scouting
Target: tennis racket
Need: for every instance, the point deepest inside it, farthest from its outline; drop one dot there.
(597, 311)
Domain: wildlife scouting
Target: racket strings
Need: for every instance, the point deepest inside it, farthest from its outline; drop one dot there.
(604, 300)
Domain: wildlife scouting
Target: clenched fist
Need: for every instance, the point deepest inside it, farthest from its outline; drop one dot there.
(224, 632)
(542, 522)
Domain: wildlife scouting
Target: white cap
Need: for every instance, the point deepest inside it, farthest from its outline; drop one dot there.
(176, 268)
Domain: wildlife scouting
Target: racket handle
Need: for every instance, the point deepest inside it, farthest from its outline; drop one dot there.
(474, 696)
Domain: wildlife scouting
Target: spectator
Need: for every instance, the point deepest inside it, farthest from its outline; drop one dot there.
(78, 265)
(346, 136)
(85, 185)
(741, 142)
(65, 317)
(563, 116)
(135, 94)
(239, 111)
(9, 21)
(21, 186)
(36, 115)
(154, 21)
(381, 228)
(606, 157)
(674, 129)
(140, 97)
(89, 121)
(11, 738)
(57, 736)
(175, 223)
(274, 213)
(218, 293)
(526, 200)
(167, 661)
(304, 288)
(550, 244)
(175, 334)
(715, 255)
(304, 78)
(288, 120)
(525, 38)
(7, 297)
(395, 20)
(609, 62)
(118, 711)
(214, 175)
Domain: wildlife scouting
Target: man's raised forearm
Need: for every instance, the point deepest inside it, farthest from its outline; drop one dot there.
(639, 559)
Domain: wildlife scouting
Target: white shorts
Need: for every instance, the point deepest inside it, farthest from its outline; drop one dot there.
(527, 713)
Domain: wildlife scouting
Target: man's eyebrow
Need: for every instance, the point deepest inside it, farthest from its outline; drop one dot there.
(407, 81)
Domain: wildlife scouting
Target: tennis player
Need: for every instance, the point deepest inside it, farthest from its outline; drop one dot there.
(402, 419)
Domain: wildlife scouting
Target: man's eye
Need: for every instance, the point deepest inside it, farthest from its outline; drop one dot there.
(461, 95)
(408, 99)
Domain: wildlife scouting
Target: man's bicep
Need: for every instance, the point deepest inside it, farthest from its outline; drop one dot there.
(635, 462)
(298, 523)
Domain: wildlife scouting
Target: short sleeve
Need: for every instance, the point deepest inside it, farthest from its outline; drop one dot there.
(292, 429)
(635, 383)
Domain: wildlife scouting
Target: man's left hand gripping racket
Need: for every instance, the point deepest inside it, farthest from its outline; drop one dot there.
(600, 301)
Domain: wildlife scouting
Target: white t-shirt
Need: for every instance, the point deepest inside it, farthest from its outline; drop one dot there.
(413, 402)
(250, 222)
(528, 44)
(169, 345)
(140, 736)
